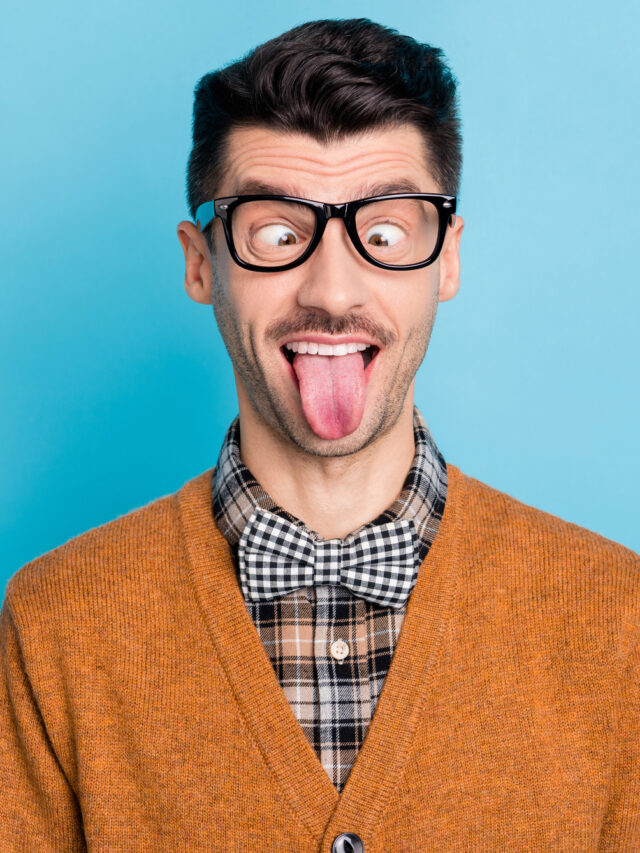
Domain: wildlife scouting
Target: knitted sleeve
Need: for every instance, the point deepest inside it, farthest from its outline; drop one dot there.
(38, 809)
(621, 824)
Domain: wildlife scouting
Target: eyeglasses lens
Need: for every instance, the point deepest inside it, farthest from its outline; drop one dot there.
(399, 231)
(272, 233)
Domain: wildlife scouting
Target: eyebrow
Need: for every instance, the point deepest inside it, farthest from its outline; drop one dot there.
(251, 187)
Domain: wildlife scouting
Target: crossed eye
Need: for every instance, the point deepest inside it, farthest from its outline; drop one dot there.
(277, 235)
(384, 234)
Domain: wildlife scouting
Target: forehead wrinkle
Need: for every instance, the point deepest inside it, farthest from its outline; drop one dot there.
(362, 191)
(283, 160)
(315, 167)
(261, 177)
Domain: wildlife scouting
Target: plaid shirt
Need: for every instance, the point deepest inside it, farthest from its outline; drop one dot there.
(333, 700)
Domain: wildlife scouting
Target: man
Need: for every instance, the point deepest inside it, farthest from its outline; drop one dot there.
(334, 640)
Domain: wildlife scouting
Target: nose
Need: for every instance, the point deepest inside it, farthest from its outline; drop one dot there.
(334, 278)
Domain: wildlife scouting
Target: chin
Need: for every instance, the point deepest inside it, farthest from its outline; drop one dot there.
(374, 424)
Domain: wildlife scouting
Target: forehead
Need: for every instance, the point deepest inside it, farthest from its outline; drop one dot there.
(375, 161)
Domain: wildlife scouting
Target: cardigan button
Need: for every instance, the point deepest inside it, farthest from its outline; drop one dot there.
(347, 842)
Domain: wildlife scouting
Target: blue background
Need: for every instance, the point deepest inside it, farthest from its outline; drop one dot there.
(116, 387)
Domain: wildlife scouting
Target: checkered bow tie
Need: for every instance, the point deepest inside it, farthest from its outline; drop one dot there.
(277, 557)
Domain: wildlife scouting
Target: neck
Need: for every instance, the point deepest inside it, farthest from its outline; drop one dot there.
(332, 495)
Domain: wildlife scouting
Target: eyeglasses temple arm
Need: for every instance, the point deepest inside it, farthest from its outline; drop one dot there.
(205, 214)
(452, 216)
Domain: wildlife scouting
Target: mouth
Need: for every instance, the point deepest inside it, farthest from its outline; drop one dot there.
(331, 386)
(367, 351)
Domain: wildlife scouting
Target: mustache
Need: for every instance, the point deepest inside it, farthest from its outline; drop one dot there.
(350, 324)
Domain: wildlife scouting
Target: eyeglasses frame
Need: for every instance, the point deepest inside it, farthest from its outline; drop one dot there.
(223, 208)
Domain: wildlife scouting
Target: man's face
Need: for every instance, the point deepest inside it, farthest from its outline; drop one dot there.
(334, 297)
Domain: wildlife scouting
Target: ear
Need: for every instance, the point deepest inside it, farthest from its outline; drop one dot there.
(198, 275)
(450, 261)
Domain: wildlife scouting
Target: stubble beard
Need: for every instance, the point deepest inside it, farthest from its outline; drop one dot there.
(271, 407)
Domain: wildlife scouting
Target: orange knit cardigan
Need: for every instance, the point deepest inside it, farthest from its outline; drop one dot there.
(139, 711)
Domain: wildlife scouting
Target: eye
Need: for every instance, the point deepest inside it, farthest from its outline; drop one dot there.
(276, 235)
(384, 234)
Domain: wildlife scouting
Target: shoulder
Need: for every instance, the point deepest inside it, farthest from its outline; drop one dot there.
(493, 514)
(554, 572)
(136, 543)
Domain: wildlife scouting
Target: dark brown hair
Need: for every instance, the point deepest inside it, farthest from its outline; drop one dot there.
(329, 79)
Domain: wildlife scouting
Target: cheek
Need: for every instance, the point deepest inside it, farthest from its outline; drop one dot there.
(245, 306)
(260, 300)
(411, 303)
(225, 308)
(227, 290)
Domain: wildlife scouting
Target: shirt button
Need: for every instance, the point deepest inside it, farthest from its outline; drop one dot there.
(347, 842)
(339, 650)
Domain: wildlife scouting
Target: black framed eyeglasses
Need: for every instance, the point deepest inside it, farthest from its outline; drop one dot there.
(273, 233)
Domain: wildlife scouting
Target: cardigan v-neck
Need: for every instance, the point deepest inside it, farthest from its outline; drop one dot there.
(333, 702)
(262, 702)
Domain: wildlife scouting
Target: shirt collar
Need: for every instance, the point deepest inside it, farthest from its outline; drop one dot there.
(236, 492)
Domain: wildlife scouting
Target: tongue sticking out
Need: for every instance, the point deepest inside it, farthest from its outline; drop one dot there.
(332, 388)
